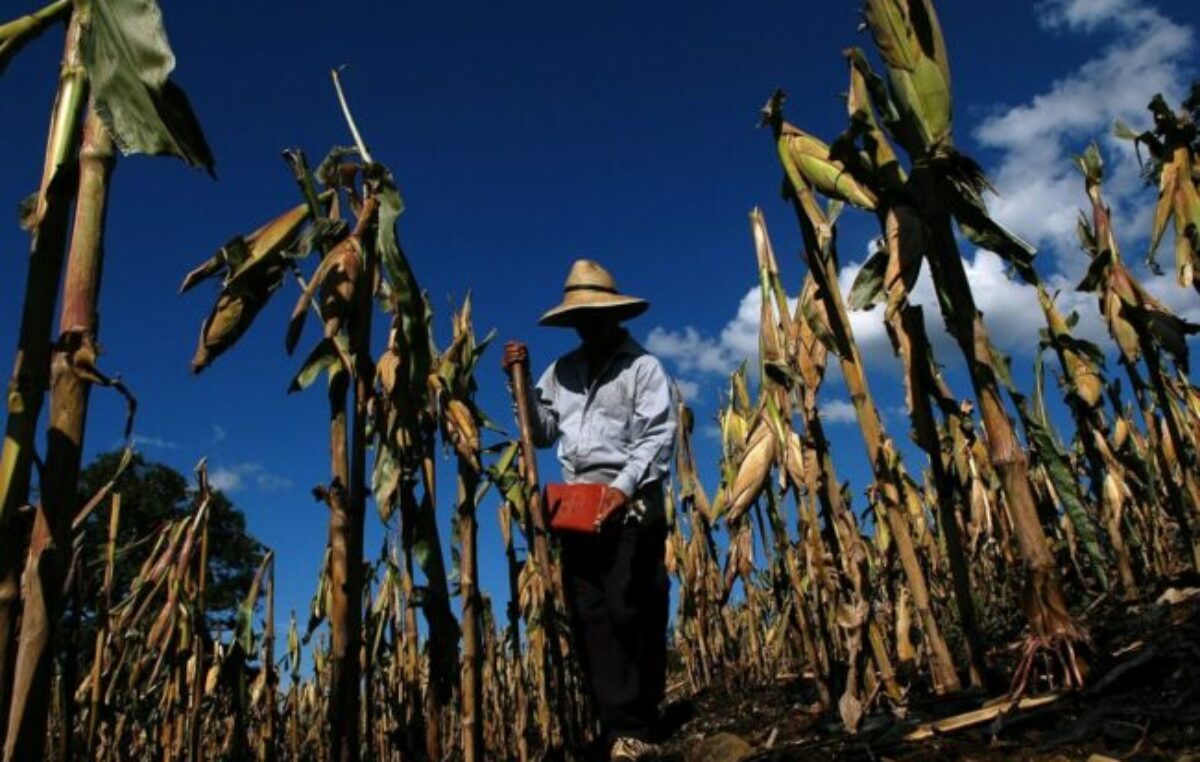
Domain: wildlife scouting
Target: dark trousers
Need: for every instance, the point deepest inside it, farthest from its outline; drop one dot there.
(619, 591)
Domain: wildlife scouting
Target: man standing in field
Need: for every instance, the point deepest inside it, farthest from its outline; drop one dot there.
(608, 405)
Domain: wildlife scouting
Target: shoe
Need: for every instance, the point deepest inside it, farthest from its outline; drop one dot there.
(628, 749)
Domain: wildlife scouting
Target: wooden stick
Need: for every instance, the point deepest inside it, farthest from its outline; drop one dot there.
(978, 716)
(519, 373)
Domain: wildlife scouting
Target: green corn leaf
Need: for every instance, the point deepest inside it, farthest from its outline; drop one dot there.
(1044, 449)
(129, 61)
(970, 212)
(323, 357)
(868, 288)
(244, 627)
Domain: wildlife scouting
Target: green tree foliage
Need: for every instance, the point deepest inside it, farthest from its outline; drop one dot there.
(152, 493)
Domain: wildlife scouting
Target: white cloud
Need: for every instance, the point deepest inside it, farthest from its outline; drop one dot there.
(837, 411)
(219, 434)
(154, 443)
(1040, 189)
(1010, 310)
(688, 389)
(225, 479)
(241, 475)
(1041, 195)
(1086, 15)
(694, 353)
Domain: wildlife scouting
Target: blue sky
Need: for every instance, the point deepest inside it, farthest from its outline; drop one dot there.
(525, 135)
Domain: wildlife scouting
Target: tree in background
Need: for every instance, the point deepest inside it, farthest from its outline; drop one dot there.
(152, 493)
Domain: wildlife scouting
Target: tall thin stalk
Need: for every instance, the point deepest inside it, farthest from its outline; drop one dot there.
(347, 508)
(472, 658)
(820, 252)
(73, 370)
(102, 606)
(30, 379)
(271, 683)
(552, 671)
(907, 329)
(195, 716)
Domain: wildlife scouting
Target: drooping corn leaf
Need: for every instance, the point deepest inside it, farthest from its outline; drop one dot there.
(324, 356)
(1097, 273)
(244, 626)
(868, 288)
(966, 184)
(129, 61)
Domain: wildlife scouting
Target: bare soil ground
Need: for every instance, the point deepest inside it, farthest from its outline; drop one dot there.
(1142, 703)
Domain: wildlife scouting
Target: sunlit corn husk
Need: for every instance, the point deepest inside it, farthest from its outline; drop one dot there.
(813, 311)
(1120, 433)
(460, 427)
(811, 350)
(229, 319)
(256, 252)
(980, 519)
(1119, 327)
(211, 678)
(253, 267)
(1084, 376)
(1167, 442)
(771, 350)
(905, 650)
(741, 554)
(1114, 497)
(1186, 210)
(906, 245)
(1178, 198)
(753, 471)
(860, 105)
(339, 284)
(794, 460)
(1086, 381)
(1132, 314)
(386, 368)
(734, 430)
(739, 391)
(828, 176)
(336, 279)
(909, 39)
(672, 557)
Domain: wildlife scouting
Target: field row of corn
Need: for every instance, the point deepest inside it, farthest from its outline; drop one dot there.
(1002, 533)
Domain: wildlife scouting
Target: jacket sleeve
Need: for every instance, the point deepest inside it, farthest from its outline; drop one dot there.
(653, 435)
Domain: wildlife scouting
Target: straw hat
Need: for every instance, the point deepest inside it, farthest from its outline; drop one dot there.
(591, 289)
